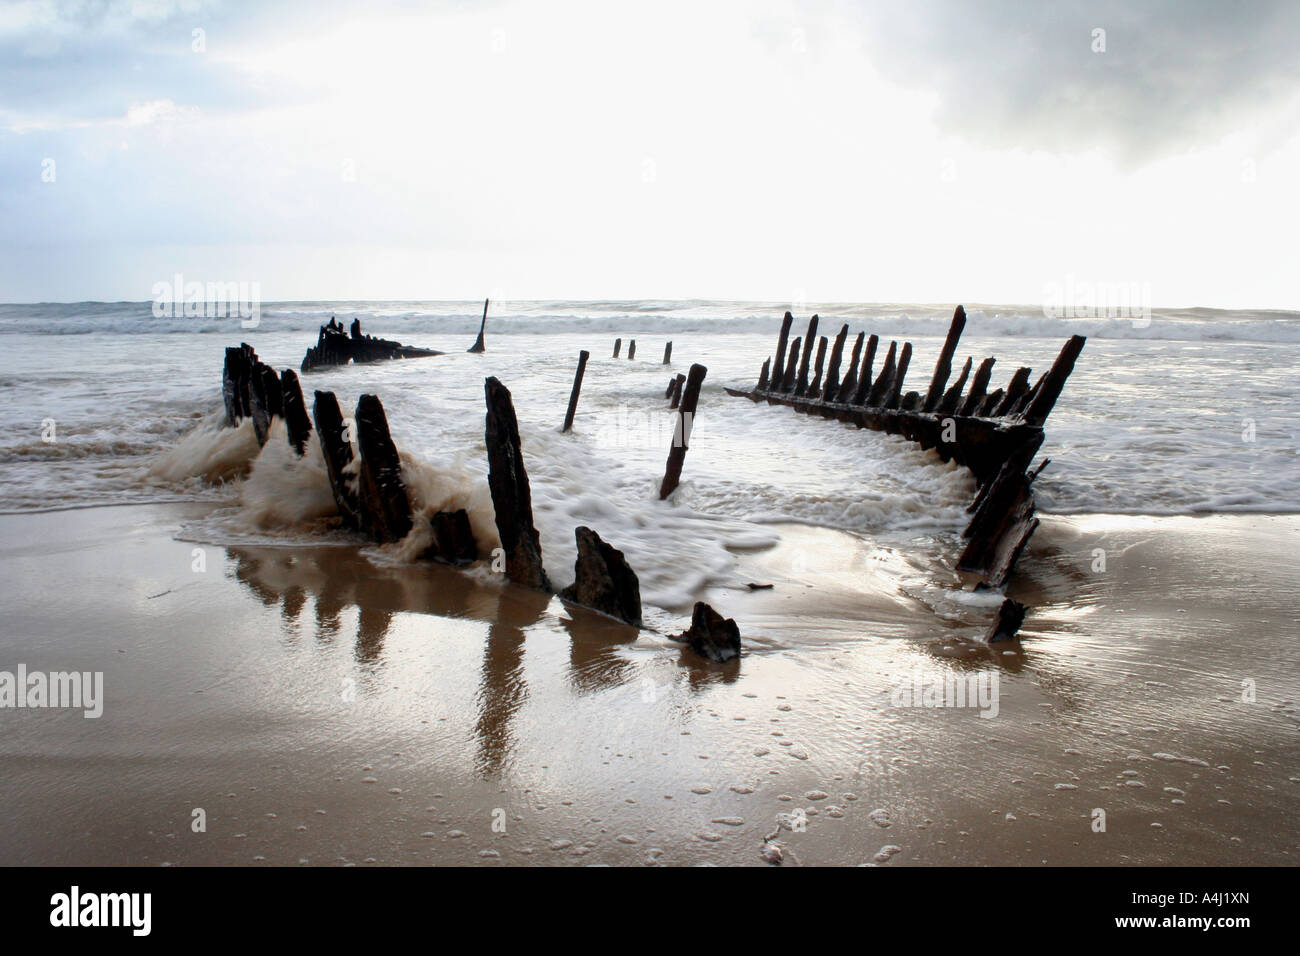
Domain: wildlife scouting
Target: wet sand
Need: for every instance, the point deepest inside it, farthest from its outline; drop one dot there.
(322, 710)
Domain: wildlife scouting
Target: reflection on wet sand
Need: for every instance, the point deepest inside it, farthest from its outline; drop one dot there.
(502, 688)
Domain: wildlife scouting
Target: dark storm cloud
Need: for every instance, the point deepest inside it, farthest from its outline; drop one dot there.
(1025, 74)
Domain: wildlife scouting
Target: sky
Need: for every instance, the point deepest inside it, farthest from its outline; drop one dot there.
(815, 151)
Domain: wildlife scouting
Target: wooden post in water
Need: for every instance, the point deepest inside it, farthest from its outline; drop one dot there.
(978, 387)
(336, 448)
(577, 388)
(864, 376)
(265, 399)
(668, 353)
(296, 422)
(1016, 390)
(478, 345)
(850, 383)
(832, 388)
(948, 404)
(682, 434)
(511, 497)
(385, 507)
(762, 376)
(235, 378)
(1049, 386)
(801, 383)
(778, 364)
(815, 388)
(896, 384)
(678, 382)
(943, 368)
(618, 344)
(879, 390)
(787, 379)
(631, 350)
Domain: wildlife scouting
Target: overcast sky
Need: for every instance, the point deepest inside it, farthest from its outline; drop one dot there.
(825, 150)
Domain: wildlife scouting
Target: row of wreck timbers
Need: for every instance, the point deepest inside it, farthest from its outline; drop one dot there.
(995, 434)
(372, 499)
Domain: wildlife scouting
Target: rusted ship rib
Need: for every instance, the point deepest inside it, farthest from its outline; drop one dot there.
(994, 434)
(334, 346)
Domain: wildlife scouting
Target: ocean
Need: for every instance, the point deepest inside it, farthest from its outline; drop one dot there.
(1195, 412)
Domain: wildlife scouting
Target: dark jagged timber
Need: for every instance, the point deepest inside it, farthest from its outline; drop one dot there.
(296, 421)
(1006, 623)
(668, 353)
(618, 344)
(603, 580)
(453, 538)
(337, 451)
(711, 635)
(675, 393)
(577, 390)
(682, 433)
(385, 506)
(265, 399)
(943, 368)
(236, 377)
(511, 497)
(478, 346)
(336, 347)
(631, 350)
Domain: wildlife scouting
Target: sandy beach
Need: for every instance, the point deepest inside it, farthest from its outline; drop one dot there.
(322, 709)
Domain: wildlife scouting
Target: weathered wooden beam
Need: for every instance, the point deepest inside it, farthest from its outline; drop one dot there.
(864, 375)
(975, 397)
(478, 345)
(991, 402)
(711, 635)
(815, 389)
(943, 367)
(1010, 616)
(603, 580)
(583, 355)
(682, 434)
(801, 383)
(832, 388)
(453, 538)
(1017, 388)
(385, 506)
(265, 399)
(235, 377)
(1050, 385)
(668, 392)
(778, 365)
(296, 422)
(618, 344)
(678, 383)
(512, 498)
(631, 350)
(668, 353)
(850, 383)
(787, 380)
(948, 404)
(336, 448)
(878, 391)
(896, 383)
(763, 375)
